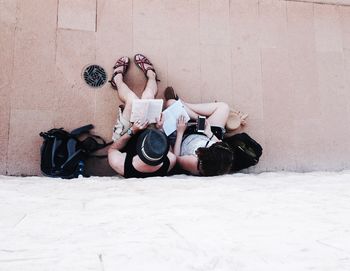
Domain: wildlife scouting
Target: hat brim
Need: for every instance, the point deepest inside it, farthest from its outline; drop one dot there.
(142, 155)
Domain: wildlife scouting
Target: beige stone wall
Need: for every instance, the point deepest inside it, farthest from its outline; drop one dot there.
(286, 63)
(332, 2)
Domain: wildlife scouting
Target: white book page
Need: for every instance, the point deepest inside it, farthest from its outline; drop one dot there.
(171, 114)
(154, 110)
(146, 109)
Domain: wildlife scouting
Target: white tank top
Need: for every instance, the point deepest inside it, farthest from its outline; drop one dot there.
(191, 143)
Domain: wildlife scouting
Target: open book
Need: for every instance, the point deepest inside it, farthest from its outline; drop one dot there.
(171, 114)
(146, 109)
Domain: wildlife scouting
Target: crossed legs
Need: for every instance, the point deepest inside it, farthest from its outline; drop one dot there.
(216, 113)
(127, 96)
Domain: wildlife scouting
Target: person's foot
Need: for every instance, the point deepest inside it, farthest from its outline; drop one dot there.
(242, 117)
(235, 120)
(119, 70)
(146, 66)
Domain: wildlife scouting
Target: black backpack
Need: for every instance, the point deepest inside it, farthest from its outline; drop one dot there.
(63, 154)
(245, 149)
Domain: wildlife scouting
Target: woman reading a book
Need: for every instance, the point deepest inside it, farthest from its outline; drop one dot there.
(202, 153)
(138, 151)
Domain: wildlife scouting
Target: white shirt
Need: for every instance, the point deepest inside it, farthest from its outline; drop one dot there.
(191, 143)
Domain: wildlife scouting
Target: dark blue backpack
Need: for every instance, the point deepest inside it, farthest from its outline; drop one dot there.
(63, 154)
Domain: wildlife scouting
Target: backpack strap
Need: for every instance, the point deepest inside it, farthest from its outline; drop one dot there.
(72, 161)
(81, 130)
(71, 146)
(91, 144)
(56, 144)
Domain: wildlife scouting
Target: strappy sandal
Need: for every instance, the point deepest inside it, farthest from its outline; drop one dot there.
(169, 94)
(124, 62)
(141, 64)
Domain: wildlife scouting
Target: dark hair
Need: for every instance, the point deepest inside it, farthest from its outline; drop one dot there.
(215, 160)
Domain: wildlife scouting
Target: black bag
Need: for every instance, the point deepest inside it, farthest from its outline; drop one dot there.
(245, 149)
(64, 155)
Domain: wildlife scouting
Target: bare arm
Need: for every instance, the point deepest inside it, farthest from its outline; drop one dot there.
(209, 133)
(116, 159)
(186, 162)
(180, 129)
(189, 163)
(172, 159)
(120, 143)
(177, 146)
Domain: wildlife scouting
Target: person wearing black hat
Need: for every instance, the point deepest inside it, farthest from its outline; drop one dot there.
(138, 151)
(141, 153)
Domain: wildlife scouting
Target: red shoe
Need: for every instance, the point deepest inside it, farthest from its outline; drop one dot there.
(123, 62)
(140, 60)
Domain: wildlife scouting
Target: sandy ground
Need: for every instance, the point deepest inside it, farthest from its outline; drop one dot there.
(270, 221)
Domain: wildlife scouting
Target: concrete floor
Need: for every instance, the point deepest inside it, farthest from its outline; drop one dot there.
(242, 222)
(286, 63)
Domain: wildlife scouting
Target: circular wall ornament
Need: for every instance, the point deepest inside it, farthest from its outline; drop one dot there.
(95, 76)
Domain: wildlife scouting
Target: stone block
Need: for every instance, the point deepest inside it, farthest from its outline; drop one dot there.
(77, 14)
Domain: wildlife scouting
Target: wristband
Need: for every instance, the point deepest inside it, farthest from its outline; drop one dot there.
(130, 132)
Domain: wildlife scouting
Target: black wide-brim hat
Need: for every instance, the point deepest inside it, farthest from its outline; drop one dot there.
(152, 146)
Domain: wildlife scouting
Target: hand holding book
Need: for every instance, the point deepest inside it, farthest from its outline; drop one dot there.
(146, 110)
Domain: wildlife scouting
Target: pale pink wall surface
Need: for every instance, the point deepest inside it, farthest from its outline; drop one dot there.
(285, 63)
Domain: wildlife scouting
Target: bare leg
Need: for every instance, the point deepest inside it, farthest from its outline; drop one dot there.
(126, 95)
(151, 89)
(193, 115)
(217, 113)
